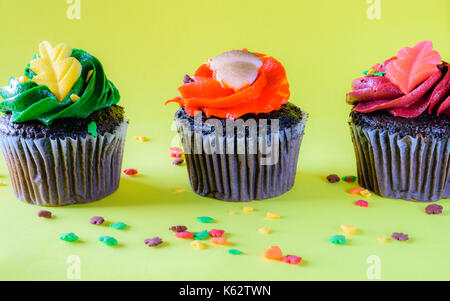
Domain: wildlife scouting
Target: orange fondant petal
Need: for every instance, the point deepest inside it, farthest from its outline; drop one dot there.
(413, 66)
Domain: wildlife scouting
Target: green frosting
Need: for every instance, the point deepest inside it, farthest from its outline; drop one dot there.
(30, 101)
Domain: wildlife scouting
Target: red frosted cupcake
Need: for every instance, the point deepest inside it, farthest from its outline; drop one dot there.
(400, 125)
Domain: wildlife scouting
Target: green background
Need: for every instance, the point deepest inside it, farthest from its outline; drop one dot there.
(146, 47)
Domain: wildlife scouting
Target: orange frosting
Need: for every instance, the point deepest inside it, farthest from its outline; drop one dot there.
(269, 91)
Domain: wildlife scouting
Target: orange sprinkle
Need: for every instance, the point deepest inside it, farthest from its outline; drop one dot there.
(356, 190)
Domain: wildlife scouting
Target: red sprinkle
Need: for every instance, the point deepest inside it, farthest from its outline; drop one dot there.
(216, 233)
(362, 203)
(184, 235)
(292, 259)
(130, 171)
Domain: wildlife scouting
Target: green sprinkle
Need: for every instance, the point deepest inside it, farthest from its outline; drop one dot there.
(235, 252)
(337, 239)
(205, 219)
(375, 73)
(118, 226)
(108, 240)
(201, 235)
(92, 129)
(68, 237)
(349, 179)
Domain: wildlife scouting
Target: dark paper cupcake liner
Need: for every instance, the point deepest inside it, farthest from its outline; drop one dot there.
(63, 171)
(242, 176)
(402, 167)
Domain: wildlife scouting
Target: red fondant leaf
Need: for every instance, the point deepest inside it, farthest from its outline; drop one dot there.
(413, 66)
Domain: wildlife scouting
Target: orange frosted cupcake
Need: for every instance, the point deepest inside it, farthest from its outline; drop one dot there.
(240, 135)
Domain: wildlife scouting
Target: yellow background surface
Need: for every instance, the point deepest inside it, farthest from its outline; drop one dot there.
(146, 47)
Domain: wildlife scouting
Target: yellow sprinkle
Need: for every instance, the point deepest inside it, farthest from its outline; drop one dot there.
(247, 209)
(198, 245)
(22, 79)
(371, 71)
(231, 212)
(179, 190)
(348, 229)
(2, 184)
(74, 97)
(141, 138)
(365, 193)
(271, 215)
(88, 76)
(383, 239)
(264, 230)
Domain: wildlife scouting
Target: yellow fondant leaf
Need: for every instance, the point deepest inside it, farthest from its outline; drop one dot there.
(56, 69)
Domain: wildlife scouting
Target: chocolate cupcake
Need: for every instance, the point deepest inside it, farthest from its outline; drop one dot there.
(62, 134)
(400, 125)
(240, 136)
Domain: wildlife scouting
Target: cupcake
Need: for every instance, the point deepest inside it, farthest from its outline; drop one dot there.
(240, 136)
(400, 125)
(62, 133)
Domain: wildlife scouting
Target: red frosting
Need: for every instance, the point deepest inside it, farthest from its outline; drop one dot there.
(413, 83)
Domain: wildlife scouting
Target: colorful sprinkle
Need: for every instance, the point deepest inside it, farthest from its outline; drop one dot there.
(264, 230)
(205, 219)
(216, 233)
(333, 178)
(348, 229)
(273, 253)
(271, 215)
(178, 228)
(400, 236)
(337, 239)
(362, 203)
(141, 138)
(184, 234)
(118, 226)
(179, 190)
(68, 237)
(198, 245)
(356, 190)
(235, 252)
(201, 235)
(365, 193)
(231, 212)
(176, 152)
(349, 179)
(108, 240)
(96, 220)
(292, 259)
(248, 209)
(383, 239)
(152, 242)
(74, 97)
(178, 161)
(130, 172)
(44, 214)
(92, 129)
(219, 241)
(434, 209)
